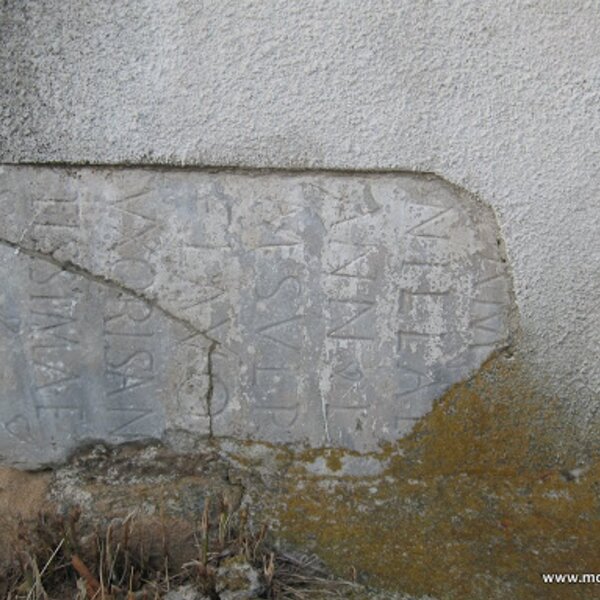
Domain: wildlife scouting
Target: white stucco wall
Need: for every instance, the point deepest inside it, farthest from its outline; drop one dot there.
(502, 98)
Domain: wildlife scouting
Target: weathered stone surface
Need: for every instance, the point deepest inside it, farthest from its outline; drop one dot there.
(82, 361)
(319, 308)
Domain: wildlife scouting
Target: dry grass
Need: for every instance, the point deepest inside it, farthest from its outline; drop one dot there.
(53, 559)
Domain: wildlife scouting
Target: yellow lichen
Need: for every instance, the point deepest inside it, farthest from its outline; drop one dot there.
(471, 505)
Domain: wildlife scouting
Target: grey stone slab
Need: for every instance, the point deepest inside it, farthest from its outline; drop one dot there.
(338, 306)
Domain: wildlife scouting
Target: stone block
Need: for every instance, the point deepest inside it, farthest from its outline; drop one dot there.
(319, 308)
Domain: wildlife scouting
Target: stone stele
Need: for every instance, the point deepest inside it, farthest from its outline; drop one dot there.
(318, 308)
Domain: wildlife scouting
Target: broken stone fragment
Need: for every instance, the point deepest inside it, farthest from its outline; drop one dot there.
(237, 579)
(323, 309)
(185, 592)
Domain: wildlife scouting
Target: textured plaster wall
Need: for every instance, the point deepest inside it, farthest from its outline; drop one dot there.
(502, 98)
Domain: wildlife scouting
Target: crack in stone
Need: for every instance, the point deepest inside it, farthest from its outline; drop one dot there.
(211, 386)
(75, 269)
(324, 408)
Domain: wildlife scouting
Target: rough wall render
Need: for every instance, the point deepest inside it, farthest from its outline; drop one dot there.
(502, 98)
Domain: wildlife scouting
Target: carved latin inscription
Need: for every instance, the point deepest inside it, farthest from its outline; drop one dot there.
(338, 307)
